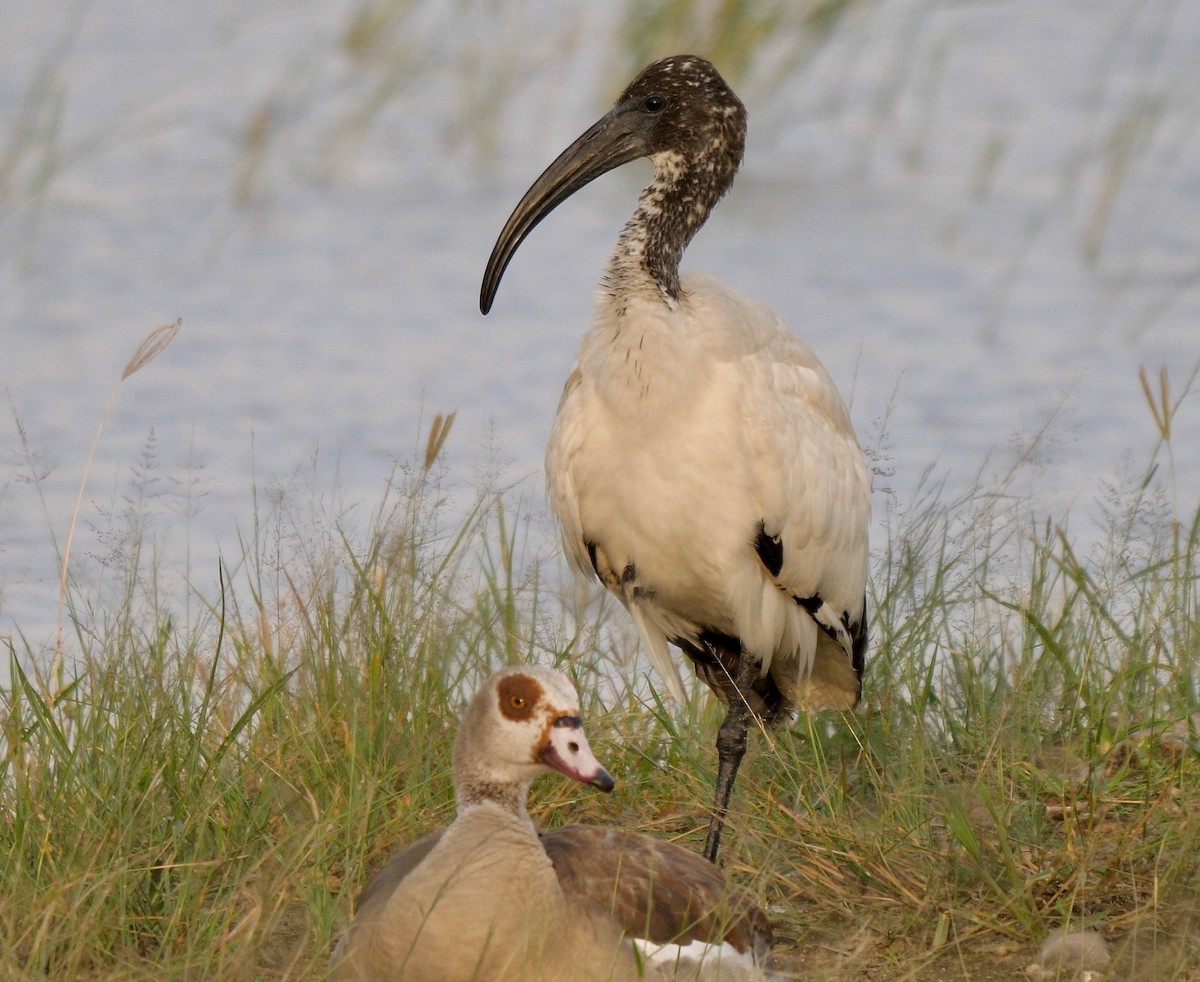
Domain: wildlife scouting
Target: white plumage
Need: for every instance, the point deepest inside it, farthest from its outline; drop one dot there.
(702, 463)
(679, 431)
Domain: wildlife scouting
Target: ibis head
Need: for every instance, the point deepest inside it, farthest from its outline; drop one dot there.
(681, 114)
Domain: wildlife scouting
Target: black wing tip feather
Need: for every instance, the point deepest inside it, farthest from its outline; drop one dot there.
(859, 635)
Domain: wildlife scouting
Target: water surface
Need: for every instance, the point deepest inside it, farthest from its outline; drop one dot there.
(984, 217)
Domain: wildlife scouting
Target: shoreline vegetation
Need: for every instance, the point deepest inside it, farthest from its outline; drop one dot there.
(206, 800)
(195, 782)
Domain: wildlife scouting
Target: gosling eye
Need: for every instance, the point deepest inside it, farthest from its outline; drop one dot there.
(655, 103)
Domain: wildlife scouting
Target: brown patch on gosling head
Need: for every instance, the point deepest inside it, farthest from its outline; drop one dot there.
(519, 695)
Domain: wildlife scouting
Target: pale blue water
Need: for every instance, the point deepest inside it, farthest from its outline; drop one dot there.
(918, 204)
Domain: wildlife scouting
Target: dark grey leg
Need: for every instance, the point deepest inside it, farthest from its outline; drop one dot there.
(731, 747)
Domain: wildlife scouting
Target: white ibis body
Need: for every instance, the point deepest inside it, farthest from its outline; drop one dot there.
(702, 463)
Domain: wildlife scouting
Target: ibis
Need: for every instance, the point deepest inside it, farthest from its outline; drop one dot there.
(702, 463)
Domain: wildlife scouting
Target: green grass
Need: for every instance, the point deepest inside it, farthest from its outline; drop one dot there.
(202, 796)
(204, 802)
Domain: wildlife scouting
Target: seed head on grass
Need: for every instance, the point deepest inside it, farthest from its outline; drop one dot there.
(151, 347)
(439, 431)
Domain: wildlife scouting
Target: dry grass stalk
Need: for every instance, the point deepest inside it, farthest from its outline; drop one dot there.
(1160, 406)
(439, 431)
(151, 346)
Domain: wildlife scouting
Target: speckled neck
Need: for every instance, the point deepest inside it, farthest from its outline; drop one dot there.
(673, 207)
(470, 790)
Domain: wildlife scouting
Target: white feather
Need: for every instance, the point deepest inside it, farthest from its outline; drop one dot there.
(680, 430)
(697, 961)
(658, 652)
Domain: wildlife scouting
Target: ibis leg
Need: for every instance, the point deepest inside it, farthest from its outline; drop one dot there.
(731, 747)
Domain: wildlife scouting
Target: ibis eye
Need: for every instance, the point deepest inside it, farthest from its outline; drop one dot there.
(655, 103)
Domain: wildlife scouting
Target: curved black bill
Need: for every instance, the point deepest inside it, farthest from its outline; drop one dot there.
(612, 141)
